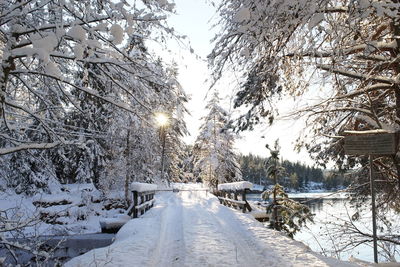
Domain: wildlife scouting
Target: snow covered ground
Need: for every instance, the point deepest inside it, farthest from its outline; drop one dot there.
(191, 228)
(75, 210)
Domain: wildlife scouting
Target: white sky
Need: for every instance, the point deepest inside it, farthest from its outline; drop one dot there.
(193, 19)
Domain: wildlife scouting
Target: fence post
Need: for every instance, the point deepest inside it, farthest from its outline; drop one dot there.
(245, 200)
(135, 203)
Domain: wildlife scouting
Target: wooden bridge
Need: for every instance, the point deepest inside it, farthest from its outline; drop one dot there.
(190, 227)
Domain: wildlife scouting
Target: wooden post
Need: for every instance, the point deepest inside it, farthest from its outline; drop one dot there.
(372, 185)
(244, 199)
(372, 142)
(224, 195)
(135, 203)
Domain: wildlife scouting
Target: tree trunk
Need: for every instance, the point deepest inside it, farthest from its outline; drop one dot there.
(395, 54)
(7, 66)
(275, 215)
(127, 168)
(163, 137)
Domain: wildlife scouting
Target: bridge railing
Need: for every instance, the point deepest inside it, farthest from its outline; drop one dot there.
(142, 199)
(234, 195)
(141, 202)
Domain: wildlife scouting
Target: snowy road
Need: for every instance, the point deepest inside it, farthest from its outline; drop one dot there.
(193, 229)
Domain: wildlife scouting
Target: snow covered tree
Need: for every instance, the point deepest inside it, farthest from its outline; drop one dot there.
(344, 53)
(213, 154)
(347, 49)
(177, 129)
(69, 69)
(46, 42)
(135, 146)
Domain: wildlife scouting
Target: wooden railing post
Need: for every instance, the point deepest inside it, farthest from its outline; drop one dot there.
(243, 195)
(244, 199)
(230, 194)
(135, 203)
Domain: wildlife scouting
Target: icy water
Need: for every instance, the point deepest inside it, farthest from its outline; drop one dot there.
(334, 209)
(66, 247)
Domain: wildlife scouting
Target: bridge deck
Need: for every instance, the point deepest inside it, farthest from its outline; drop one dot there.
(193, 229)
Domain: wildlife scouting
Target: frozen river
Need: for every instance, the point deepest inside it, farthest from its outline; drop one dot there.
(326, 236)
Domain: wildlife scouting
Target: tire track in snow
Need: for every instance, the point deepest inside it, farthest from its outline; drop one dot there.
(253, 244)
(210, 234)
(170, 249)
(241, 236)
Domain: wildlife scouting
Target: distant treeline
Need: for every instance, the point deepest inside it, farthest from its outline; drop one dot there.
(298, 176)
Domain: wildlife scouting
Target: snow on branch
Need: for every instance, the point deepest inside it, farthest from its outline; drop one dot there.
(355, 75)
(235, 186)
(378, 86)
(8, 150)
(89, 91)
(381, 46)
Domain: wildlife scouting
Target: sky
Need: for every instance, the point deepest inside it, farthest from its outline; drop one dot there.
(194, 18)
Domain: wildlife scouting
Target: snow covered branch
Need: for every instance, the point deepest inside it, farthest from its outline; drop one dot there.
(358, 76)
(8, 150)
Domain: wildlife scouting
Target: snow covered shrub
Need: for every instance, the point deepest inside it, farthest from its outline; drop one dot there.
(291, 214)
(286, 214)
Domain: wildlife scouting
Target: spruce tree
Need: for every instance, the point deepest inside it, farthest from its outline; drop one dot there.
(214, 157)
(286, 214)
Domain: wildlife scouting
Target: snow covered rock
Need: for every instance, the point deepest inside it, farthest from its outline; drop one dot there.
(235, 186)
(142, 187)
(53, 200)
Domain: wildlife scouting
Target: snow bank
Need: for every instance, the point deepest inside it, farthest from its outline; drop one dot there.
(74, 208)
(235, 186)
(117, 222)
(189, 186)
(142, 187)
